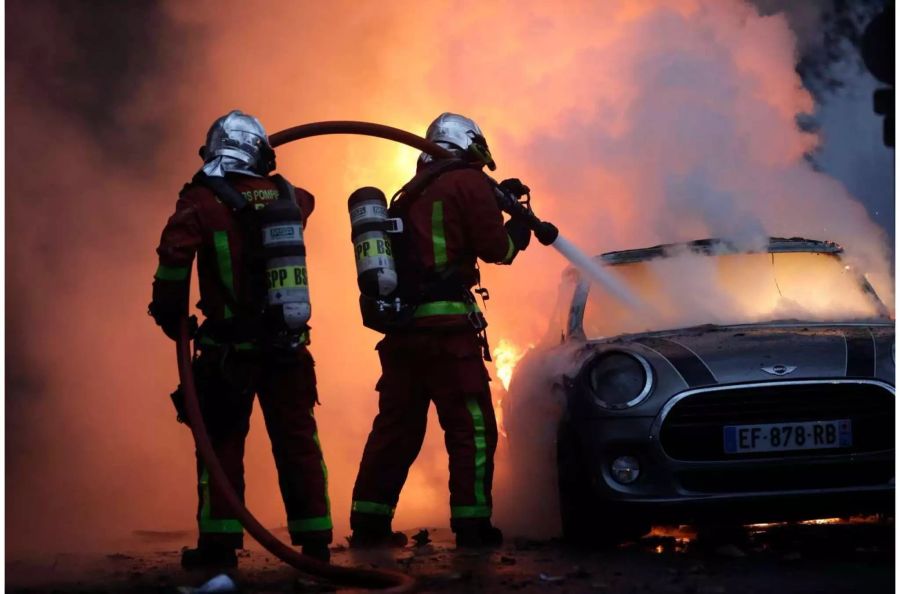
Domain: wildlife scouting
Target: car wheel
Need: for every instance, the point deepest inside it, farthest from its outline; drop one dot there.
(587, 520)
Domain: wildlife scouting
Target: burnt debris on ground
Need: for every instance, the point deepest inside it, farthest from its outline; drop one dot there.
(833, 555)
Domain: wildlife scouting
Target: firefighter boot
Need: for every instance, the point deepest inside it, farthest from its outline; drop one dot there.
(477, 533)
(206, 556)
(318, 551)
(366, 539)
(374, 532)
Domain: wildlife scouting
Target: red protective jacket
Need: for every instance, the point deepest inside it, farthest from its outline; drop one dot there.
(203, 225)
(448, 226)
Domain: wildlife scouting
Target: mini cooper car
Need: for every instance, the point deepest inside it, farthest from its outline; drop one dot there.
(763, 391)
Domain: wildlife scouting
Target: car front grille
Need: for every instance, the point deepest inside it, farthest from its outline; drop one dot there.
(792, 478)
(692, 429)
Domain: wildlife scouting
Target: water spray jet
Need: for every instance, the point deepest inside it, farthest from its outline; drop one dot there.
(597, 274)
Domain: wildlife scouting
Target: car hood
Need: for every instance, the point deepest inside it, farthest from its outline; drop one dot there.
(718, 355)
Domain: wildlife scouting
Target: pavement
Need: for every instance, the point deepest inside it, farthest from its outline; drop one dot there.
(852, 556)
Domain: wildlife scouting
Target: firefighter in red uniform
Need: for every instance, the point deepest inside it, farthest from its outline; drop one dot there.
(450, 219)
(241, 352)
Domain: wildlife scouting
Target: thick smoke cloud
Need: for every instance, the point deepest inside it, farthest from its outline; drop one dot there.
(88, 126)
(829, 34)
(634, 123)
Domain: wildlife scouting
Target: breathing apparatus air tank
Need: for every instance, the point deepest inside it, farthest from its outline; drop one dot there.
(287, 298)
(376, 274)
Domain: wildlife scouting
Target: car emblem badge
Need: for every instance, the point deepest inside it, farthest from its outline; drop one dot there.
(780, 369)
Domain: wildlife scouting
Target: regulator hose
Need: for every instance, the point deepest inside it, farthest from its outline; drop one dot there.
(390, 581)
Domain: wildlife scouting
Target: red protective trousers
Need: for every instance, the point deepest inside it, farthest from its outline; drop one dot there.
(444, 366)
(227, 380)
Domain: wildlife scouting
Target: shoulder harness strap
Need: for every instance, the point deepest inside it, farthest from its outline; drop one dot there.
(424, 178)
(285, 188)
(223, 190)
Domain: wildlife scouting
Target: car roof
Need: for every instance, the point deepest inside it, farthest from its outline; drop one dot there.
(718, 247)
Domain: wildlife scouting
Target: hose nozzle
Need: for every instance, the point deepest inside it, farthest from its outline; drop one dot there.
(509, 203)
(545, 232)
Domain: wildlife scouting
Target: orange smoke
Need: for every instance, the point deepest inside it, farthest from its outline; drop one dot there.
(634, 123)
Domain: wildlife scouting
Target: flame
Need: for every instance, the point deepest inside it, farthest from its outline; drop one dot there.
(819, 522)
(498, 414)
(506, 356)
(822, 521)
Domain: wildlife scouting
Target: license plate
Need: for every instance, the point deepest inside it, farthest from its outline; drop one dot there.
(779, 437)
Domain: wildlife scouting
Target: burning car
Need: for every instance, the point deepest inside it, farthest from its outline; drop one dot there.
(763, 392)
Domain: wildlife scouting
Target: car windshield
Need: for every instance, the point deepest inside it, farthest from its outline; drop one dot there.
(690, 289)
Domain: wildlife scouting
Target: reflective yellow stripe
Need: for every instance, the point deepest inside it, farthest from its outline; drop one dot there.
(243, 346)
(370, 507)
(510, 252)
(217, 525)
(439, 241)
(321, 521)
(470, 511)
(172, 273)
(238, 346)
(209, 526)
(445, 308)
(480, 449)
(223, 257)
(310, 524)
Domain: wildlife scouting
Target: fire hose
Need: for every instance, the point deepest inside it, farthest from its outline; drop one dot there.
(545, 232)
(391, 581)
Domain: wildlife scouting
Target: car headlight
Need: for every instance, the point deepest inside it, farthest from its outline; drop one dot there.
(619, 380)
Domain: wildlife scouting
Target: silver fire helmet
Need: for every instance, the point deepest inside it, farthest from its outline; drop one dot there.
(237, 142)
(461, 136)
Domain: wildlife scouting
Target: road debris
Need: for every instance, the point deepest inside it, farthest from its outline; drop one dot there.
(579, 573)
(731, 551)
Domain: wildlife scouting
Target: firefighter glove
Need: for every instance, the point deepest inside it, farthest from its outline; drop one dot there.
(180, 408)
(515, 187)
(170, 320)
(519, 232)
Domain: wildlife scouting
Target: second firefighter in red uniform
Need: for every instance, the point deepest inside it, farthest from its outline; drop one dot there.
(450, 220)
